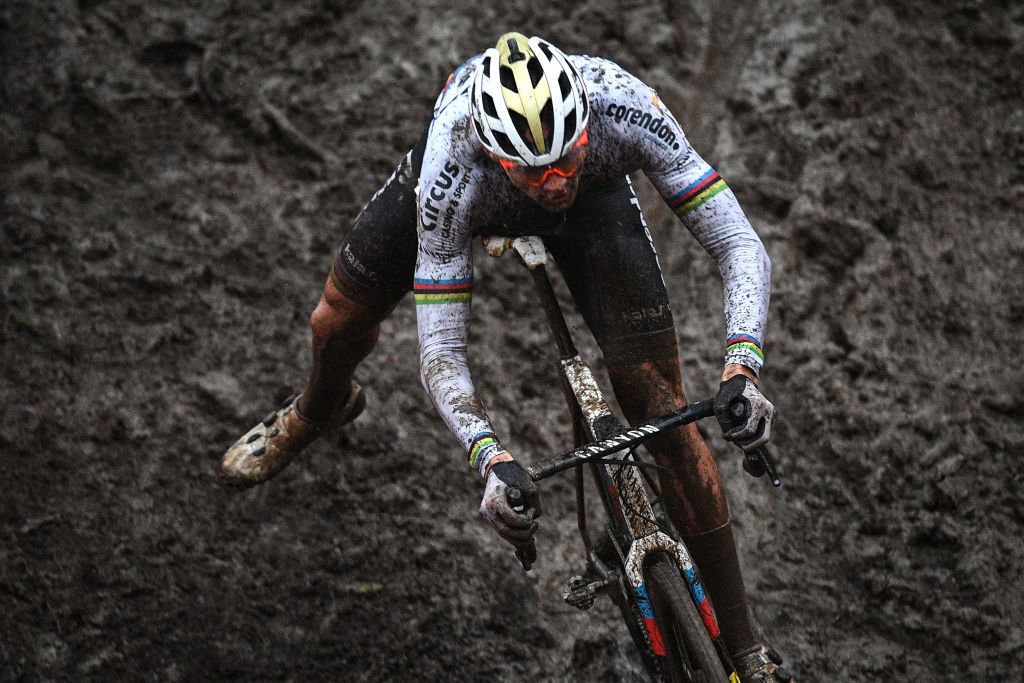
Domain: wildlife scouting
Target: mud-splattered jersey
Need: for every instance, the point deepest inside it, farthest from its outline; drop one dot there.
(461, 190)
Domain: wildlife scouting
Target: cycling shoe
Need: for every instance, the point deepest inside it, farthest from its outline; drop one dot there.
(267, 448)
(761, 665)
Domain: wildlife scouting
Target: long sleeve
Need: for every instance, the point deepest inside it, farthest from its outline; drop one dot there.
(443, 292)
(706, 206)
(709, 209)
(642, 133)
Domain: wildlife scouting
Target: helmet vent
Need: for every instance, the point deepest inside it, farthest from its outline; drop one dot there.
(545, 49)
(547, 115)
(506, 145)
(489, 107)
(535, 70)
(507, 79)
(479, 130)
(570, 125)
(521, 124)
(563, 84)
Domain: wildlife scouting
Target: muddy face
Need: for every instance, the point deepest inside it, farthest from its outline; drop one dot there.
(553, 186)
(556, 194)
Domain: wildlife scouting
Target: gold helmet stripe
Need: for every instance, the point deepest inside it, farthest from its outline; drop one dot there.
(514, 52)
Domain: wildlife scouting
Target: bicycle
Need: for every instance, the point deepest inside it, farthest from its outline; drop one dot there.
(637, 558)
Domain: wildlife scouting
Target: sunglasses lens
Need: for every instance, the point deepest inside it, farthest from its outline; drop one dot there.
(565, 167)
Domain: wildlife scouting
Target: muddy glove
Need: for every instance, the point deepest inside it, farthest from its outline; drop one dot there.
(511, 503)
(744, 413)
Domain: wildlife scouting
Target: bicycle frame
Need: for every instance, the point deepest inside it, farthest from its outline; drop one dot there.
(634, 526)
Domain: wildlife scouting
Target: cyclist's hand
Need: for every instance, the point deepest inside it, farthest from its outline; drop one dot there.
(744, 413)
(513, 516)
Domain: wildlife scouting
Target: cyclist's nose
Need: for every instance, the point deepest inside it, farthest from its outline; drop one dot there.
(554, 184)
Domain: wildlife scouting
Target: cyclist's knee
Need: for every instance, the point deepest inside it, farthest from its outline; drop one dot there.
(685, 452)
(326, 322)
(648, 388)
(339, 319)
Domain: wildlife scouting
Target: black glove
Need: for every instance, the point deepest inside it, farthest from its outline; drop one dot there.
(744, 413)
(511, 503)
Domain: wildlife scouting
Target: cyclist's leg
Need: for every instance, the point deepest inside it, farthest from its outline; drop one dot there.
(372, 271)
(612, 269)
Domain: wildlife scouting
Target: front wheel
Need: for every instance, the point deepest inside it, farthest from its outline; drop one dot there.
(690, 656)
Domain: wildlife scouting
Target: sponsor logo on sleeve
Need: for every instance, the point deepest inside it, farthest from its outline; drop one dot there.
(452, 175)
(660, 126)
(437, 193)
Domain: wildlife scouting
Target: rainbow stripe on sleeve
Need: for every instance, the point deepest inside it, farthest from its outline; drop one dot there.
(744, 341)
(480, 442)
(442, 291)
(698, 192)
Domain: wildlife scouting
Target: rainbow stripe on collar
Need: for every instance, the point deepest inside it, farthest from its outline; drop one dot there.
(442, 291)
(698, 192)
(739, 342)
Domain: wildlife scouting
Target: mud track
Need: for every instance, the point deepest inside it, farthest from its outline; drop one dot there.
(173, 178)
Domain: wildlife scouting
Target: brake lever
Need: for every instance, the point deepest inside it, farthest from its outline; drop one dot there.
(515, 501)
(523, 559)
(759, 462)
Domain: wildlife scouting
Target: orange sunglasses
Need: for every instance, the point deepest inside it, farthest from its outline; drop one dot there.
(566, 167)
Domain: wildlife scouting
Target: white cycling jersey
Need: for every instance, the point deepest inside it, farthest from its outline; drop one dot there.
(461, 189)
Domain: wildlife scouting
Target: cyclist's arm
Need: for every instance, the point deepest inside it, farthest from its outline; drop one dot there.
(709, 209)
(443, 290)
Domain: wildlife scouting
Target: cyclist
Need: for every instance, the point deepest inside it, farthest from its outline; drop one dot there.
(527, 140)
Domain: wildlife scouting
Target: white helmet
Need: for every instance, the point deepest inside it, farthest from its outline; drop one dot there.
(529, 102)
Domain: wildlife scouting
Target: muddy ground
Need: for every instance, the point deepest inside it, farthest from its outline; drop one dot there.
(174, 177)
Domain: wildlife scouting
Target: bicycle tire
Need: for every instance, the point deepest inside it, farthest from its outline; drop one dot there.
(690, 655)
